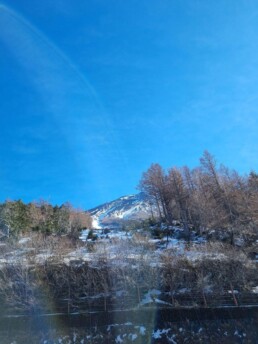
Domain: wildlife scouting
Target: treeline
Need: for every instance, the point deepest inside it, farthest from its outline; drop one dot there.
(206, 197)
(17, 217)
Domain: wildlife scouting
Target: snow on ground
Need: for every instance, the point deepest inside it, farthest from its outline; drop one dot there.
(42, 257)
(119, 339)
(157, 334)
(84, 234)
(255, 290)
(24, 240)
(142, 330)
(115, 245)
(224, 331)
(95, 222)
(104, 234)
(198, 255)
(152, 297)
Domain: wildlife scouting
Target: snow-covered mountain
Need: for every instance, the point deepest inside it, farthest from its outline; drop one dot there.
(131, 207)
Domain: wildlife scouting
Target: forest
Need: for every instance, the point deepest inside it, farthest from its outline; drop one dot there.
(17, 218)
(207, 197)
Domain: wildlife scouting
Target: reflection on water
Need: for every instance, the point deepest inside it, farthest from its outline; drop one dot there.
(149, 326)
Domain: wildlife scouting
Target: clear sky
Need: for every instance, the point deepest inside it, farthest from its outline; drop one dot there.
(93, 92)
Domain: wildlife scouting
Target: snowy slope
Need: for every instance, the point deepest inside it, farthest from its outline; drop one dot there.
(132, 207)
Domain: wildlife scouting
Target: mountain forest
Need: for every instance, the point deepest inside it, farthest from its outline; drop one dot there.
(201, 199)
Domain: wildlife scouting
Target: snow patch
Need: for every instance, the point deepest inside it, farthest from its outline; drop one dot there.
(158, 333)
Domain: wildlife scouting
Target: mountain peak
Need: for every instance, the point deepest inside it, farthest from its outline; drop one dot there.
(129, 207)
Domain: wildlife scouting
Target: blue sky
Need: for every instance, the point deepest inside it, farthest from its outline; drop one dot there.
(93, 92)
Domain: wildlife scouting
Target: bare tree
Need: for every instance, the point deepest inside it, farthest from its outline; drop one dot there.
(154, 184)
(179, 193)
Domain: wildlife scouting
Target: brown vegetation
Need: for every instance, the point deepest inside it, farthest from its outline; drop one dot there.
(206, 197)
(131, 268)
